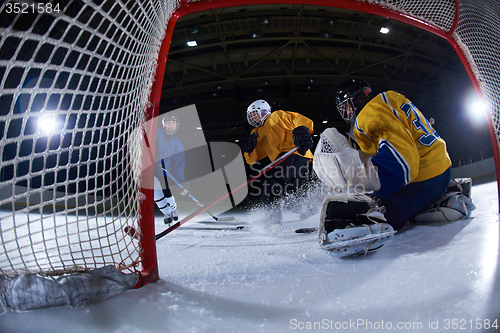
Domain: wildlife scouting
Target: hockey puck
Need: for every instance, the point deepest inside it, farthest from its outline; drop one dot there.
(305, 230)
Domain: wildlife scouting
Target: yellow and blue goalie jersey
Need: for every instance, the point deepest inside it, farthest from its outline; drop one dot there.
(405, 146)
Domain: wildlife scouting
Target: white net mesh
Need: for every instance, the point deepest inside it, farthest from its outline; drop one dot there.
(75, 84)
(440, 14)
(478, 32)
(67, 193)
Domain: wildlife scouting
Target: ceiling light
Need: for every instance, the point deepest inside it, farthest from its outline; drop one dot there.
(194, 30)
(264, 20)
(384, 30)
(325, 121)
(325, 34)
(192, 43)
(265, 83)
(256, 34)
(329, 22)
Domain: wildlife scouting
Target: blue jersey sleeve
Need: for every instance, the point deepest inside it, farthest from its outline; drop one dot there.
(393, 170)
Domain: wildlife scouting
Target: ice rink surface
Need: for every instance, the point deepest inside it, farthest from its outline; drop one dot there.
(437, 277)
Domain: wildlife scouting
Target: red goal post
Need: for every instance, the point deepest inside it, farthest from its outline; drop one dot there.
(98, 67)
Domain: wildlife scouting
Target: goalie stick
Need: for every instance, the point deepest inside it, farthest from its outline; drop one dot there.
(132, 232)
(185, 191)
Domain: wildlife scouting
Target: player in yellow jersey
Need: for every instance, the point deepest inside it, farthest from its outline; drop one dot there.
(402, 160)
(411, 158)
(275, 134)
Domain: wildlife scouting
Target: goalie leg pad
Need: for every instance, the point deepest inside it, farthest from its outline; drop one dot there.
(352, 224)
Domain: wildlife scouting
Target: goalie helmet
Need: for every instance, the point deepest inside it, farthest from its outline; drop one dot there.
(258, 112)
(170, 124)
(351, 96)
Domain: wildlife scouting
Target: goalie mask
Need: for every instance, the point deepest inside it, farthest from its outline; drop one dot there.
(258, 112)
(170, 124)
(351, 96)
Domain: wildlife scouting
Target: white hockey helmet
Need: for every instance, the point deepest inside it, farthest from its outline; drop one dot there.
(170, 124)
(258, 112)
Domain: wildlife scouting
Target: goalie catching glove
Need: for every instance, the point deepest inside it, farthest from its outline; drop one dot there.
(342, 167)
(352, 224)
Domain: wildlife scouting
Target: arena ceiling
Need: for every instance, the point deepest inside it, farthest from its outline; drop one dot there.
(294, 56)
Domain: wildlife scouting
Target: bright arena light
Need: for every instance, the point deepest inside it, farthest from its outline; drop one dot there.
(47, 124)
(476, 107)
(384, 30)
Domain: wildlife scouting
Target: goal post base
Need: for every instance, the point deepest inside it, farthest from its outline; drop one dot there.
(36, 291)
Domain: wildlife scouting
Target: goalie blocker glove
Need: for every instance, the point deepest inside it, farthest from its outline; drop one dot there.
(249, 143)
(302, 139)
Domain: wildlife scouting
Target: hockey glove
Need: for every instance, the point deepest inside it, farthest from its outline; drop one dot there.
(302, 139)
(248, 145)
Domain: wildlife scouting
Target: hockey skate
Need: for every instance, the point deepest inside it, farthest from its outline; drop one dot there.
(352, 224)
(455, 204)
(168, 219)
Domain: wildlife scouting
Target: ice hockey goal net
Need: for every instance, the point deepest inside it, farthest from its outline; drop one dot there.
(93, 70)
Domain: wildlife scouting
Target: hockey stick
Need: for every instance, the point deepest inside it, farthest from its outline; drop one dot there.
(201, 210)
(185, 191)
